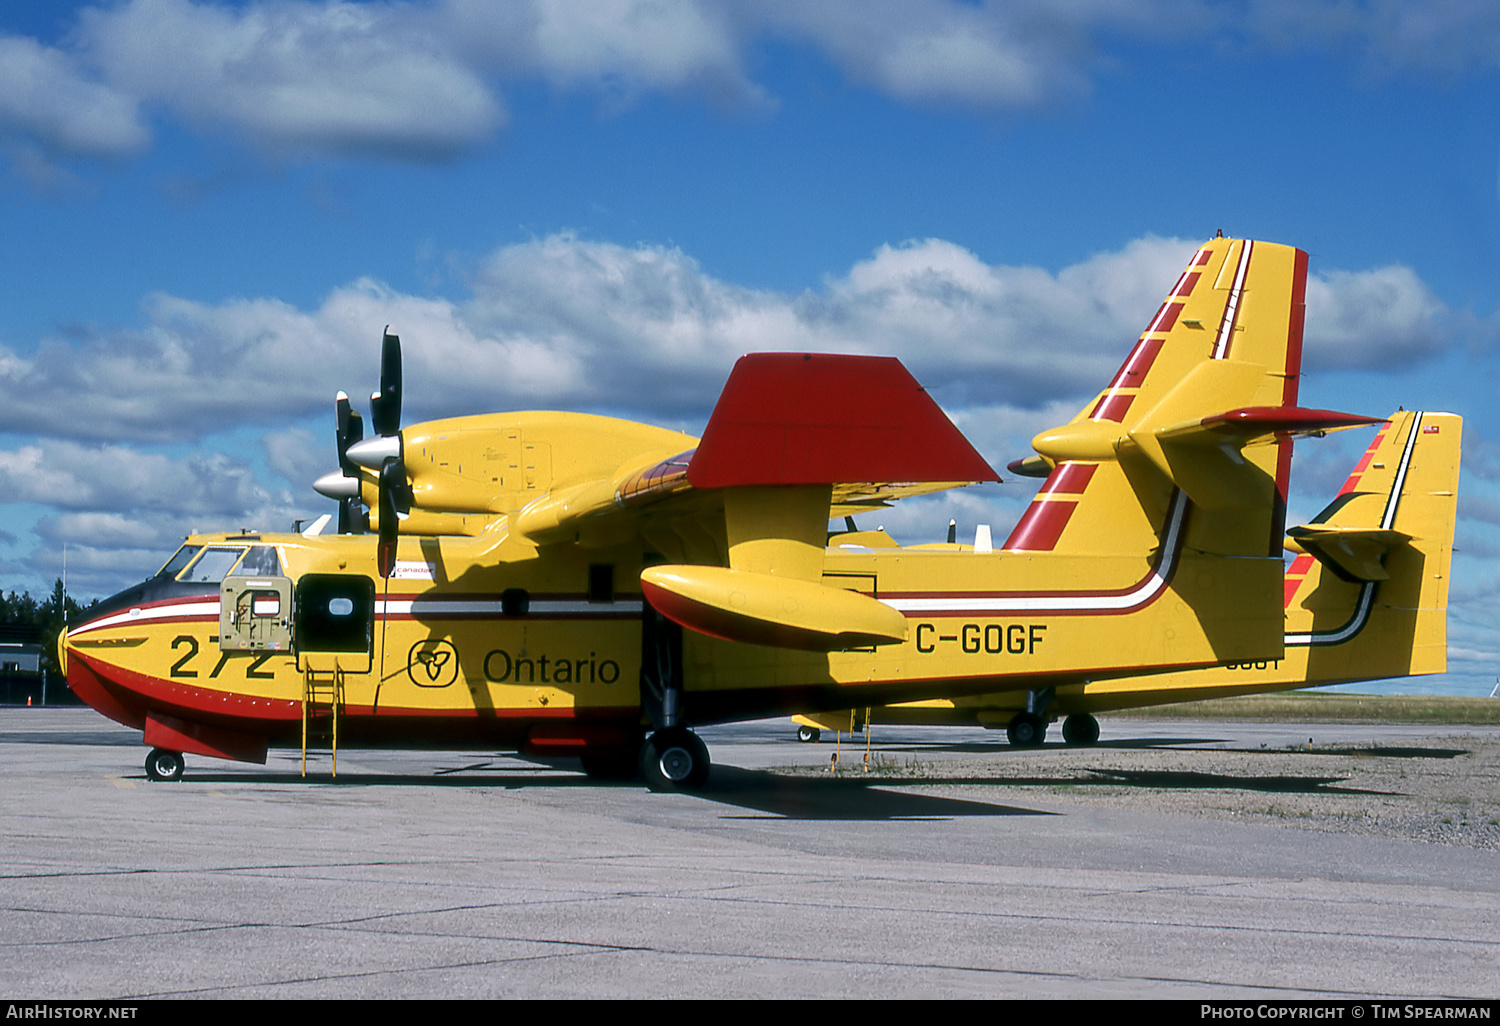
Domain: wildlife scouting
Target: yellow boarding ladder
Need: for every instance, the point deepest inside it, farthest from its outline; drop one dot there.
(322, 698)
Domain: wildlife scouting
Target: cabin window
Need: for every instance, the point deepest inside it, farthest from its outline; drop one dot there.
(265, 603)
(211, 567)
(179, 559)
(260, 561)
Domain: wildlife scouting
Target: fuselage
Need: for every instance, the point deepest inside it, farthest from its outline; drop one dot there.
(493, 640)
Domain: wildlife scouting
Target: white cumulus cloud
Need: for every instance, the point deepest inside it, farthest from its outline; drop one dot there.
(1385, 317)
(424, 81)
(564, 322)
(330, 78)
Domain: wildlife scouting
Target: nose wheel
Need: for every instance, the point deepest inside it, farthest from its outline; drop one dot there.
(163, 765)
(674, 759)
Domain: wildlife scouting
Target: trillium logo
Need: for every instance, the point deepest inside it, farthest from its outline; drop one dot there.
(432, 663)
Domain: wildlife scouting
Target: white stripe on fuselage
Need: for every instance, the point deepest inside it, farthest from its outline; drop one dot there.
(1083, 602)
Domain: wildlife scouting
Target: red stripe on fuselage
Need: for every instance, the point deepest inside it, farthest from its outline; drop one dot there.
(1352, 482)
(1068, 479)
(126, 695)
(1133, 371)
(1295, 575)
(1112, 407)
(1041, 527)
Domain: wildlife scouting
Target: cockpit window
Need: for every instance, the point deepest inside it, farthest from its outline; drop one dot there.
(179, 560)
(260, 561)
(211, 567)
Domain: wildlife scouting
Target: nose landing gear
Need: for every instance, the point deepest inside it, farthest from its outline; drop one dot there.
(162, 764)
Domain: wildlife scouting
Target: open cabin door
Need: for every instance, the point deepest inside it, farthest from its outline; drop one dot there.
(335, 615)
(333, 636)
(255, 614)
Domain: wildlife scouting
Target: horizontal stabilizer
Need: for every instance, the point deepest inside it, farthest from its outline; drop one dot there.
(813, 418)
(1200, 455)
(1352, 553)
(761, 609)
(1257, 422)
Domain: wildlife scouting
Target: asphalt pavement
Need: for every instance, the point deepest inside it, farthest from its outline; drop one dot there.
(480, 875)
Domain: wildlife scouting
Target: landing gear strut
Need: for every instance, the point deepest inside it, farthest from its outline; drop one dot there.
(674, 759)
(163, 765)
(1080, 729)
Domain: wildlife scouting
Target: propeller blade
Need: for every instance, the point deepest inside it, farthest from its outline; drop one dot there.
(343, 484)
(385, 405)
(353, 517)
(350, 429)
(392, 478)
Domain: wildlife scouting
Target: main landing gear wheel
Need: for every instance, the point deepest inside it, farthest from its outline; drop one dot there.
(1026, 730)
(164, 765)
(809, 734)
(1080, 729)
(674, 759)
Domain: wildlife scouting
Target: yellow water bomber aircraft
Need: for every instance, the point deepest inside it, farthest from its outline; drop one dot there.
(1366, 599)
(569, 584)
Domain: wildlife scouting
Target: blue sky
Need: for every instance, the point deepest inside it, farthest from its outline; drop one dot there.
(211, 209)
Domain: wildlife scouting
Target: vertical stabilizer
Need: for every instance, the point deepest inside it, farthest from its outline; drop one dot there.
(1200, 408)
(1368, 591)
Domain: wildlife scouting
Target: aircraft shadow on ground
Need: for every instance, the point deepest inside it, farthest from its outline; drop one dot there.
(769, 794)
(1177, 780)
(1174, 744)
(845, 798)
(873, 797)
(1001, 748)
(1395, 752)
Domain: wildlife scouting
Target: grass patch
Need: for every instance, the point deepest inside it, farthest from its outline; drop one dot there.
(1319, 707)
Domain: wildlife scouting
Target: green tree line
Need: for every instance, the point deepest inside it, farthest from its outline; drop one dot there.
(49, 614)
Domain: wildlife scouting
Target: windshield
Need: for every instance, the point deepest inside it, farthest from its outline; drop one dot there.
(260, 561)
(211, 567)
(179, 560)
